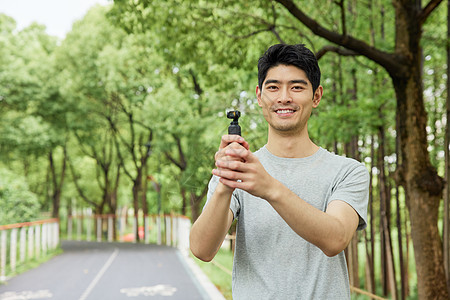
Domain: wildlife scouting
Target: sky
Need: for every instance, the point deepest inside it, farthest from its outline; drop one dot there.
(57, 15)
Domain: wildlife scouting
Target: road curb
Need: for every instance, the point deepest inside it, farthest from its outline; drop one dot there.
(208, 289)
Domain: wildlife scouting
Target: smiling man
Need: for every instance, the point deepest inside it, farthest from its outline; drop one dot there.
(297, 205)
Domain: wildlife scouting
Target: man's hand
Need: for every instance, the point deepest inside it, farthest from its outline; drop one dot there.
(227, 142)
(230, 144)
(241, 169)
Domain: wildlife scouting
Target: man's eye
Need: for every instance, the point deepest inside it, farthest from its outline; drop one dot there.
(298, 88)
(272, 87)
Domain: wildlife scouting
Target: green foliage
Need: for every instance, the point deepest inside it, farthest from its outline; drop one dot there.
(219, 276)
(173, 68)
(435, 85)
(177, 66)
(18, 203)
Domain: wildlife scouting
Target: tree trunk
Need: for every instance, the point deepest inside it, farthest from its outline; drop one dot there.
(351, 150)
(57, 185)
(446, 233)
(370, 270)
(399, 223)
(195, 207)
(136, 189)
(144, 199)
(423, 187)
(113, 200)
(184, 204)
(389, 282)
(408, 243)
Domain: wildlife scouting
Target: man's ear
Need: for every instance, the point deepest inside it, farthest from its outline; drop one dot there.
(317, 96)
(258, 95)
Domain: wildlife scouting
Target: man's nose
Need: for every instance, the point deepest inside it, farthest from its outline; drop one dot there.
(285, 96)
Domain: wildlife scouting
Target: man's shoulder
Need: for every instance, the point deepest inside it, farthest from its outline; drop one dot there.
(341, 159)
(344, 165)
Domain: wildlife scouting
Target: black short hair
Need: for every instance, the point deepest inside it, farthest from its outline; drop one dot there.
(295, 55)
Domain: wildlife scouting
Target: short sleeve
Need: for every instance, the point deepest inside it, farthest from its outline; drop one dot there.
(353, 188)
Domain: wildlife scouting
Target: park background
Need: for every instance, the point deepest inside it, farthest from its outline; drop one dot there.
(125, 114)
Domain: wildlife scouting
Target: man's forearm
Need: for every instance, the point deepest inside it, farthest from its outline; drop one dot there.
(331, 231)
(209, 230)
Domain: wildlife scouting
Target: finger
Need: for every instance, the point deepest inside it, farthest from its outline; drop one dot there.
(230, 138)
(227, 174)
(240, 153)
(231, 183)
(235, 165)
(245, 145)
(231, 158)
(244, 155)
(221, 154)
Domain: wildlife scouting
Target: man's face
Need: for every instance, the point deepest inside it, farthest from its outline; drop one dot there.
(287, 99)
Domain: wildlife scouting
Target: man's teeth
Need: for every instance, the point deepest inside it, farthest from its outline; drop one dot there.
(285, 111)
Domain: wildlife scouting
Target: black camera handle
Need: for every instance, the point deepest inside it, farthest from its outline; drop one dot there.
(234, 127)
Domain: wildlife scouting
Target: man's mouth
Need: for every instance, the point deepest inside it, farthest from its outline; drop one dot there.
(284, 111)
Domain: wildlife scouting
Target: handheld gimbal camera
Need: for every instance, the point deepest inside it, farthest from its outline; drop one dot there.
(234, 127)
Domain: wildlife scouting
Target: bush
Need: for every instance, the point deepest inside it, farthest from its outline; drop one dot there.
(18, 204)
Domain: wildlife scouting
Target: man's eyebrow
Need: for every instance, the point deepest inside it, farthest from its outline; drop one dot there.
(301, 81)
(269, 81)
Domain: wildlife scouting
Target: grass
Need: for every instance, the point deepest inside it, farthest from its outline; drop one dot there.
(33, 263)
(218, 271)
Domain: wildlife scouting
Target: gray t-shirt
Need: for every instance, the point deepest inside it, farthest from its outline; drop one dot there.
(273, 262)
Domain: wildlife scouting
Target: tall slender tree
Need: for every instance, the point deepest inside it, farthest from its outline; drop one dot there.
(446, 231)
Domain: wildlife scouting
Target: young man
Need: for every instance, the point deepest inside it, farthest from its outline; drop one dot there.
(297, 205)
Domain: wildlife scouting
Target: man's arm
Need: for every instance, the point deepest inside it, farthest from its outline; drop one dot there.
(211, 227)
(331, 230)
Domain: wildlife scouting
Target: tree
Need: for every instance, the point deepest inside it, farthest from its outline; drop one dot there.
(81, 86)
(399, 54)
(197, 82)
(176, 72)
(18, 203)
(28, 100)
(419, 178)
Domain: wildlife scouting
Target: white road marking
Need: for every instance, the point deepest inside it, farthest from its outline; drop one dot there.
(25, 295)
(99, 275)
(160, 289)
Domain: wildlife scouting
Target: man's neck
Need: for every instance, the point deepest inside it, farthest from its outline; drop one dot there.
(291, 146)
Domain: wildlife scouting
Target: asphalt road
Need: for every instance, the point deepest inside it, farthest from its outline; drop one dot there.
(108, 271)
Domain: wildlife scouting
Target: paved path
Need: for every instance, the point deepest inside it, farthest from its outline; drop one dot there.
(109, 271)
